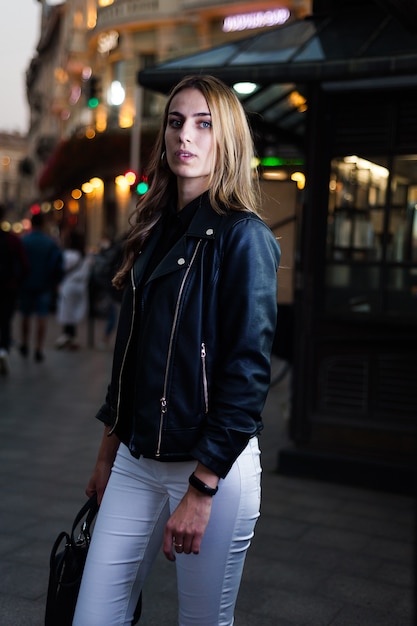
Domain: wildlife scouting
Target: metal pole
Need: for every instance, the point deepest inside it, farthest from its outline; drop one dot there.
(135, 142)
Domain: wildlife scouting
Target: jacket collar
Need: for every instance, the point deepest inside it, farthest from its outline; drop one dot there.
(204, 225)
(205, 221)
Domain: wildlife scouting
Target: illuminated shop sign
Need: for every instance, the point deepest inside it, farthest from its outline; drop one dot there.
(259, 19)
(108, 41)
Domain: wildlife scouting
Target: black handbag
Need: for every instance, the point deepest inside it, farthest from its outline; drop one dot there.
(67, 560)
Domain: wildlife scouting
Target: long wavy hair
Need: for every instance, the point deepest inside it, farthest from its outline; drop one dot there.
(232, 182)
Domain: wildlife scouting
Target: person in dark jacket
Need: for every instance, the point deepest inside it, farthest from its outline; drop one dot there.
(46, 271)
(14, 266)
(179, 462)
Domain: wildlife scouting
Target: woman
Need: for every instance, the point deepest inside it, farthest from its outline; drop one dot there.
(190, 372)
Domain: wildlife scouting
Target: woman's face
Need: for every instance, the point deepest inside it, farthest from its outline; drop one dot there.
(189, 142)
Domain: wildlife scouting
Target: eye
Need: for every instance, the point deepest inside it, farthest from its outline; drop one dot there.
(175, 122)
(205, 124)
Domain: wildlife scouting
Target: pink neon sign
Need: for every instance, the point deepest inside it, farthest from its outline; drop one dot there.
(259, 19)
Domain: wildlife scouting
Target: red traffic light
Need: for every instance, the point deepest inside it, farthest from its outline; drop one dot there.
(131, 177)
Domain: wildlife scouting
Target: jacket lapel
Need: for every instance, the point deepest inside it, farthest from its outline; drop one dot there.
(204, 225)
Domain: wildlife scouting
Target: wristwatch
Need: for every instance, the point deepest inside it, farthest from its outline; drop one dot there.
(202, 487)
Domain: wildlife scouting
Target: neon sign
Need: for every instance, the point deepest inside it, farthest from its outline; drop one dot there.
(259, 19)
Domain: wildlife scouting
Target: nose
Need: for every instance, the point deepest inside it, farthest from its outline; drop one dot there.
(184, 134)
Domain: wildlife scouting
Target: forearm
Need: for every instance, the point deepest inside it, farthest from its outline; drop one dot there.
(108, 447)
(105, 459)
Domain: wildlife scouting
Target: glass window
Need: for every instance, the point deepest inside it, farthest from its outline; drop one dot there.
(357, 196)
(263, 99)
(210, 58)
(371, 249)
(402, 229)
(276, 46)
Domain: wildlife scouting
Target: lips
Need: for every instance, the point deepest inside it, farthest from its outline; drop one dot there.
(184, 154)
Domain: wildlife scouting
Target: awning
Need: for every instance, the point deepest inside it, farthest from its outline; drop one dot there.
(78, 159)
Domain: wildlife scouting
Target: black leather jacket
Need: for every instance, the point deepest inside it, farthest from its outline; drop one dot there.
(191, 363)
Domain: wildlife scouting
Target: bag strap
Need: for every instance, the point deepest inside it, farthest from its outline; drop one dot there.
(87, 511)
(54, 551)
(90, 509)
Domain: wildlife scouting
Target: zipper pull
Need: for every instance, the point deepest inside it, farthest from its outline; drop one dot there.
(163, 405)
(205, 385)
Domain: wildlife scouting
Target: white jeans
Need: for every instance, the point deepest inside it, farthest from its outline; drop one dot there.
(138, 500)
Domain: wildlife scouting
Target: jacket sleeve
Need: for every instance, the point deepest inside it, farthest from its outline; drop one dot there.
(246, 318)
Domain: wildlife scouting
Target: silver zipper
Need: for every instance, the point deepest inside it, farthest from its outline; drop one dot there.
(205, 385)
(125, 354)
(163, 400)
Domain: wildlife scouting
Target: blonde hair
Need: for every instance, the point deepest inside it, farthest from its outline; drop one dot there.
(232, 182)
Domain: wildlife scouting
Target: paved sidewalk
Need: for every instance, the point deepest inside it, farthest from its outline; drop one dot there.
(323, 554)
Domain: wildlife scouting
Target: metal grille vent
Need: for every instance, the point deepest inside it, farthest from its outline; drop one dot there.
(343, 385)
(396, 397)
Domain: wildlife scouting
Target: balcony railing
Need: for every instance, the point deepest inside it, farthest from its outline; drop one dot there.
(126, 11)
(198, 5)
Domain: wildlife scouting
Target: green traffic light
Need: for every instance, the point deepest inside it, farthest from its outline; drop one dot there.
(142, 188)
(93, 103)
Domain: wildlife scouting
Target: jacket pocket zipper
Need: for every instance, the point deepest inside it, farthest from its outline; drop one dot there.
(205, 385)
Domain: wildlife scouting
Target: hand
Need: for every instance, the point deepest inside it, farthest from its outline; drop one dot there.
(98, 480)
(186, 526)
(105, 459)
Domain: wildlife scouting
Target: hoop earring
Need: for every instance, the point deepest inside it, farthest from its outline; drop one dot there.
(163, 156)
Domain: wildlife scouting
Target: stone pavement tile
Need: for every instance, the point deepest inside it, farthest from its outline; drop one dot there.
(243, 618)
(371, 594)
(26, 581)
(22, 612)
(400, 549)
(328, 537)
(10, 543)
(297, 552)
(379, 525)
(31, 553)
(281, 527)
(295, 607)
(360, 616)
(281, 574)
(399, 573)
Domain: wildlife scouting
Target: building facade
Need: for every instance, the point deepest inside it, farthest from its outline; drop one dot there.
(15, 177)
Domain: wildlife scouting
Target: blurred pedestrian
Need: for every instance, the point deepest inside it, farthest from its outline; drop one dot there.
(39, 287)
(104, 295)
(72, 303)
(14, 266)
(178, 467)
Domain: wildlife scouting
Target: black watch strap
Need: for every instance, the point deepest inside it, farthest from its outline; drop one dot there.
(202, 487)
